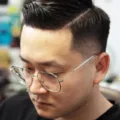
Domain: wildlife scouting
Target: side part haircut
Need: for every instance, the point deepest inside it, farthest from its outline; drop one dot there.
(89, 24)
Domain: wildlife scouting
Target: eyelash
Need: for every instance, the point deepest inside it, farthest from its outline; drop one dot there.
(57, 74)
(30, 69)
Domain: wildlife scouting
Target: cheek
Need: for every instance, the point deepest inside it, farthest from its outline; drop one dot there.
(75, 89)
(79, 82)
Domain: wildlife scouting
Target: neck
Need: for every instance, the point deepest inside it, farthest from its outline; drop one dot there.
(94, 108)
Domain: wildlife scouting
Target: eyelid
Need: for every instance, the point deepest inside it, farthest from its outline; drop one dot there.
(58, 74)
(29, 68)
(55, 73)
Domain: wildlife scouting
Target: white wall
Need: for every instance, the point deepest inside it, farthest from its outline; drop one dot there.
(112, 7)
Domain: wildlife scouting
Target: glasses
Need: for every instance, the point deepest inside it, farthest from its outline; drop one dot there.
(49, 81)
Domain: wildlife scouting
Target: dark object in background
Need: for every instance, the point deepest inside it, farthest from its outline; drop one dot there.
(111, 79)
(3, 2)
(4, 80)
(15, 42)
(4, 76)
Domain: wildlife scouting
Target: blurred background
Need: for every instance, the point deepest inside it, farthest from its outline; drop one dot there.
(10, 26)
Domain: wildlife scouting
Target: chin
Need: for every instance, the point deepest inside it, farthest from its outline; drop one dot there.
(49, 113)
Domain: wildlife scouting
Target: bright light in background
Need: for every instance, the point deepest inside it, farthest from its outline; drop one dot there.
(17, 3)
(112, 7)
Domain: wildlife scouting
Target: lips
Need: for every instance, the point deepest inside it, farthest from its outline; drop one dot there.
(42, 104)
(38, 102)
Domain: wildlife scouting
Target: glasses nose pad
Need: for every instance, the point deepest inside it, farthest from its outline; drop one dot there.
(37, 77)
(40, 79)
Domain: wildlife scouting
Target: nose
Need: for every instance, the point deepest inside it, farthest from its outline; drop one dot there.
(36, 87)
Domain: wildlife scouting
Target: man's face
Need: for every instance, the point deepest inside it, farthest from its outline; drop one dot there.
(41, 46)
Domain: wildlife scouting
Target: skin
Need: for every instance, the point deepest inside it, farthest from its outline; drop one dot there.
(80, 97)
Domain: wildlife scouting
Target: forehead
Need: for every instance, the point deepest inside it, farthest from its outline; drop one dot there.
(45, 44)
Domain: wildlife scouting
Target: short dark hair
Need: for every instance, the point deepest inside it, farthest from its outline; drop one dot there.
(88, 23)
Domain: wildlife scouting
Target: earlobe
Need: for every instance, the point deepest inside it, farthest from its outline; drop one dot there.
(99, 74)
(102, 66)
(98, 78)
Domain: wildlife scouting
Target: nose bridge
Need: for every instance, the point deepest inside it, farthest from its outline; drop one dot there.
(35, 74)
(36, 86)
(35, 77)
(35, 81)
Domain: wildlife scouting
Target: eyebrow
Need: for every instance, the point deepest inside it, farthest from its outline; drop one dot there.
(46, 63)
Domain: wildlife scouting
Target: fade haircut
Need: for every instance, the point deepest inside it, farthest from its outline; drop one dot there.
(88, 23)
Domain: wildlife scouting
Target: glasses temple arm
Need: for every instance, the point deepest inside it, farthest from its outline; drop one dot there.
(79, 66)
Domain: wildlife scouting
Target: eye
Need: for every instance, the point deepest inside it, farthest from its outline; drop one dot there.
(31, 70)
(48, 76)
(57, 74)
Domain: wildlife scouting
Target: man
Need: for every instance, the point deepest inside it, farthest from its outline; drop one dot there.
(62, 47)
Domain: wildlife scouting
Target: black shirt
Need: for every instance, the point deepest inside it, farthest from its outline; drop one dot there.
(20, 107)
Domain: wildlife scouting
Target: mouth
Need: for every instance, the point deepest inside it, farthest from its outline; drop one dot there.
(42, 104)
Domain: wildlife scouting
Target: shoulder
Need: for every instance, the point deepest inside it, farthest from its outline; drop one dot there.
(112, 114)
(17, 100)
(16, 107)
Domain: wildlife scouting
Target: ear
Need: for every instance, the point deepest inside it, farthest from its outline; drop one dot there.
(102, 65)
